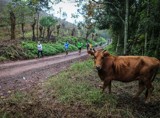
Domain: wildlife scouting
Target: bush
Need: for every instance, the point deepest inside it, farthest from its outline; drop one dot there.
(3, 58)
(30, 48)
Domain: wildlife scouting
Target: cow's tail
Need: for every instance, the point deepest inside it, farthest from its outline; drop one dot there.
(154, 74)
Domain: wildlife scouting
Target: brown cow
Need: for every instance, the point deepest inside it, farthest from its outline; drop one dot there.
(126, 69)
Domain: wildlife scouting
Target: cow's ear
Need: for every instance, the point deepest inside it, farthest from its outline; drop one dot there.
(105, 53)
(90, 52)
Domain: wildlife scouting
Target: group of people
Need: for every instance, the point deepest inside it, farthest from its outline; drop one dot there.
(79, 45)
(66, 47)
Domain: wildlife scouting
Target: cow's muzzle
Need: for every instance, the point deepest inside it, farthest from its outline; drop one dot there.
(98, 67)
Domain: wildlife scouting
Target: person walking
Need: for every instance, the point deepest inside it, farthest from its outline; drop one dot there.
(87, 45)
(79, 45)
(66, 46)
(40, 51)
(90, 46)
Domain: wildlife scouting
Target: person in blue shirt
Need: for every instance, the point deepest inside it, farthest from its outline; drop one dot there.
(66, 46)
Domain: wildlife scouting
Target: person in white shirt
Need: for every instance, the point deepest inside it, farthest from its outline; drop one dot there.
(39, 47)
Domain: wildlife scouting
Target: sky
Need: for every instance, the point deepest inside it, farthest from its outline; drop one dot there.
(66, 6)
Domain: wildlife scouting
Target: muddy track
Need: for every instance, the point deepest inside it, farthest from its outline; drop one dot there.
(22, 75)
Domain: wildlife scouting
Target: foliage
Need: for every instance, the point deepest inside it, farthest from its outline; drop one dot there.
(143, 20)
(28, 49)
(110, 49)
(47, 21)
(2, 58)
(48, 48)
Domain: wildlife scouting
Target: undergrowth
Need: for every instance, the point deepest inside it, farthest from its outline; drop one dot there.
(27, 49)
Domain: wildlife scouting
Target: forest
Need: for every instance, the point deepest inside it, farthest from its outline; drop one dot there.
(24, 23)
(134, 25)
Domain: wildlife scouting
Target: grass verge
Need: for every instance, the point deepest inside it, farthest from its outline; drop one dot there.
(75, 93)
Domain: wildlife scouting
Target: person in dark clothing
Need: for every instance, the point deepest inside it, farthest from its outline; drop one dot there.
(87, 45)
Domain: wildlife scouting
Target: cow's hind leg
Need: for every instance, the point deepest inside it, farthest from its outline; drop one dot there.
(149, 90)
(141, 89)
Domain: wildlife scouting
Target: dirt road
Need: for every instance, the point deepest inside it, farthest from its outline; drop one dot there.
(23, 75)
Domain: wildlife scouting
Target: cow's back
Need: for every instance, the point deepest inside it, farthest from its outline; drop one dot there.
(150, 64)
(129, 68)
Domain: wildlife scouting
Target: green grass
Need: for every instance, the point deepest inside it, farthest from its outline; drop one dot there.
(78, 85)
(75, 86)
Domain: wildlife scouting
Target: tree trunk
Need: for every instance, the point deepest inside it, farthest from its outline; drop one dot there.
(48, 33)
(13, 24)
(126, 27)
(146, 32)
(117, 47)
(43, 32)
(40, 31)
(58, 29)
(151, 41)
(37, 25)
(157, 51)
(22, 28)
(33, 30)
(87, 34)
(73, 32)
(145, 43)
(92, 36)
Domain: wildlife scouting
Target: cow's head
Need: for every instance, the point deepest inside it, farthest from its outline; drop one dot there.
(99, 56)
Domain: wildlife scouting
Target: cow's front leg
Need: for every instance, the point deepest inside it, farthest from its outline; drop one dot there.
(109, 87)
(105, 84)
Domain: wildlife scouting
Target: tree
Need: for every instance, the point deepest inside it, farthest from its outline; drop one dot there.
(48, 22)
(23, 13)
(11, 9)
(87, 10)
(13, 24)
(126, 27)
(38, 6)
(33, 29)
